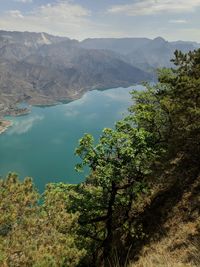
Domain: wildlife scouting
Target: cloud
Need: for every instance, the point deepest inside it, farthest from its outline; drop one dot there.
(178, 21)
(59, 139)
(24, 125)
(92, 116)
(15, 14)
(79, 102)
(150, 7)
(70, 113)
(68, 18)
(61, 18)
(120, 96)
(23, 1)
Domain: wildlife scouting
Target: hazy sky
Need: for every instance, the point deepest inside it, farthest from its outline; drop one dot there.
(79, 19)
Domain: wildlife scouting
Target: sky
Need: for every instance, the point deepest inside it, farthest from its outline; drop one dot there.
(81, 19)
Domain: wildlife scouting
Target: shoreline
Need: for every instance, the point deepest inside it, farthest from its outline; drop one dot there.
(15, 112)
(4, 125)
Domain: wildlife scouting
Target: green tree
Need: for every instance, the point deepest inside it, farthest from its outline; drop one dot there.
(120, 165)
(125, 165)
(163, 122)
(171, 108)
(33, 234)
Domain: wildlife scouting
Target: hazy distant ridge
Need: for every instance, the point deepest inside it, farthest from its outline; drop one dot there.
(43, 69)
(144, 53)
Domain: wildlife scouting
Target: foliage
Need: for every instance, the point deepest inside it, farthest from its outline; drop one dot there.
(33, 234)
(163, 122)
(120, 165)
(171, 108)
(98, 216)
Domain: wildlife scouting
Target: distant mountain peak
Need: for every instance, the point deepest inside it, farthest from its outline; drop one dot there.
(159, 39)
(47, 68)
(43, 69)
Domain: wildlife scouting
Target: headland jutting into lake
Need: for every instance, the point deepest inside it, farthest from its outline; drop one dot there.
(5, 124)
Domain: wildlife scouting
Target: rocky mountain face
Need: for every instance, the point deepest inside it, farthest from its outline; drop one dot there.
(122, 46)
(28, 39)
(44, 69)
(143, 53)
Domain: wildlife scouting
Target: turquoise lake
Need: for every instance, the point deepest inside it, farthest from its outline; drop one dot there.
(41, 144)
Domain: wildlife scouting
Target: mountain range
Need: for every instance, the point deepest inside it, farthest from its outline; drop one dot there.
(143, 53)
(43, 69)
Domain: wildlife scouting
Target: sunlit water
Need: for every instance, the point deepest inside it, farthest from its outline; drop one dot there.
(41, 145)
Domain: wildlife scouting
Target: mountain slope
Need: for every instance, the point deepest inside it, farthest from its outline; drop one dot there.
(118, 45)
(44, 69)
(142, 53)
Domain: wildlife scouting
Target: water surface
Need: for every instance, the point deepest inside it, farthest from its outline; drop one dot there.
(41, 144)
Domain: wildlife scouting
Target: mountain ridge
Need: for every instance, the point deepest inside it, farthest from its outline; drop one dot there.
(43, 69)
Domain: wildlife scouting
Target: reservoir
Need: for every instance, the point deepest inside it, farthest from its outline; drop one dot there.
(41, 144)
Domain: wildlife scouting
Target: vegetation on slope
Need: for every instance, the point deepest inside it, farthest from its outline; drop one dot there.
(33, 234)
(143, 183)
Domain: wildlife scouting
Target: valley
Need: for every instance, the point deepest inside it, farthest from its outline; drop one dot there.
(43, 69)
(99, 133)
(52, 133)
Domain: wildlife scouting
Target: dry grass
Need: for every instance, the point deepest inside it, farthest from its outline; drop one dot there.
(180, 247)
(174, 250)
(159, 257)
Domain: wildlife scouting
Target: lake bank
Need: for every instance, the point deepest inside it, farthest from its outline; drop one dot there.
(4, 125)
(52, 134)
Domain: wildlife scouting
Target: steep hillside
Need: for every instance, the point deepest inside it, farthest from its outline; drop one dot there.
(44, 69)
(29, 39)
(157, 53)
(143, 53)
(119, 45)
(175, 238)
(140, 201)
